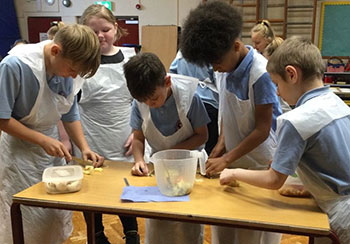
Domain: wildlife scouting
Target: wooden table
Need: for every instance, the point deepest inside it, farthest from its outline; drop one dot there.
(245, 206)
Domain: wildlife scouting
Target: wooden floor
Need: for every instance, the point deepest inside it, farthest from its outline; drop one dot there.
(114, 232)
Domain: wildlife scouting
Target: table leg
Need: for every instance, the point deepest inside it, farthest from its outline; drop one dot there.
(334, 237)
(311, 240)
(90, 225)
(17, 224)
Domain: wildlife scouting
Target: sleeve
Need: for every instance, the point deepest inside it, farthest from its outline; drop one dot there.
(197, 114)
(290, 149)
(73, 114)
(265, 91)
(135, 117)
(173, 66)
(9, 89)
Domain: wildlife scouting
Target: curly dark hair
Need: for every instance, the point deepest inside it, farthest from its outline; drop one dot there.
(144, 72)
(209, 32)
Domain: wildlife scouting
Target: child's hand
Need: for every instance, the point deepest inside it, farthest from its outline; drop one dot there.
(227, 176)
(140, 169)
(215, 165)
(217, 151)
(128, 145)
(55, 148)
(96, 158)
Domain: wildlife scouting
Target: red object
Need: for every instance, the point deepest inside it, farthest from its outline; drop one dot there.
(132, 37)
(37, 25)
(138, 6)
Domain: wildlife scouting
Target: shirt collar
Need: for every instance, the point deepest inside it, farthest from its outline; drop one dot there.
(311, 94)
(245, 65)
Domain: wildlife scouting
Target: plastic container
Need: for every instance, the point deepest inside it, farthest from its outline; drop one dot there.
(63, 179)
(175, 171)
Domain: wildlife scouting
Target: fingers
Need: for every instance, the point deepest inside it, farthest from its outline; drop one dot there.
(129, 151)
(144, 169)
(136, 171)
(226, 177)
(139, 169)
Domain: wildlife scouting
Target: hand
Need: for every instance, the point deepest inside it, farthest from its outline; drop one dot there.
(215, 165)
(139, 169)
(96, 158)
(218, 150)
(55, 148)
(227, 176)
(128, 145)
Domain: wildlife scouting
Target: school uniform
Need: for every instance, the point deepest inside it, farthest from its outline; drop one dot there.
(206, 90)
(249, 84)
(318, 129)
(105, 107)
(29, 96)
(163, 128)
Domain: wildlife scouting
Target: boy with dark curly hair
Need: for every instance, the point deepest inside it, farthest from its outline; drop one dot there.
(248, 101)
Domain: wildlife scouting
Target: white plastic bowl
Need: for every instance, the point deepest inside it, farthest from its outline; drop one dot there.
(175, 171)
(63, 179)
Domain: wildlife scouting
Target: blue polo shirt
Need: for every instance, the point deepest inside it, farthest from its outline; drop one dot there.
(19, 89)
(327, 152)
(265, 91)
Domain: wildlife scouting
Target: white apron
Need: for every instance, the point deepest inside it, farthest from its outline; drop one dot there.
(22, 163)
(238, 124)
(163, 231)
(319, 112)
(105, 108)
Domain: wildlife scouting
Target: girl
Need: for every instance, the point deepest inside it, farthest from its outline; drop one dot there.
(105, 104)
(262, 35)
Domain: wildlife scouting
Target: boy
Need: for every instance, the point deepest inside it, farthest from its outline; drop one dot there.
(36, 91)
(248, 101)
(169, 115)
(206, 90)
(313, 138)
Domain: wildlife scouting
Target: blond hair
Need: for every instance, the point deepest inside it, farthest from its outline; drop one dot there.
(298, 52)
(264, 27)
(273, 46)
(81, 46)
(100, 11)
(55, 26)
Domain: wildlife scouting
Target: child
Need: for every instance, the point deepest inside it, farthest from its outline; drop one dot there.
(248, 100)
(37, 90)
(272, 46)
(55, 27)
(105, 104)
(206, 90)
(318, 129)
(262, 35)
(169, 115)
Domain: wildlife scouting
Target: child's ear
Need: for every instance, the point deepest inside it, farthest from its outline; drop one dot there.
(167, 81)
(237, 45)
(55, 50)
(292, 74)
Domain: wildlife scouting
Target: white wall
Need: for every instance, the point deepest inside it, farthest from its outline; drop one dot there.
(153, 12)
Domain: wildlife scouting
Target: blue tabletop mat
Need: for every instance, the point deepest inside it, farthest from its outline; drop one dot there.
(148, 194)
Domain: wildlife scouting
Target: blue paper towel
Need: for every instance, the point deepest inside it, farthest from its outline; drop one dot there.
(148, 194)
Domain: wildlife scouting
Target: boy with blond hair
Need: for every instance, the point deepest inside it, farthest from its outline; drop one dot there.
(36, 91)
(317, 129)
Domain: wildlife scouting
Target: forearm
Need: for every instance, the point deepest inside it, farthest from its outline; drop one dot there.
(199, 138)
(75, 132)
(15, 128)
(138, 150)
(269, 179)
(253, 140)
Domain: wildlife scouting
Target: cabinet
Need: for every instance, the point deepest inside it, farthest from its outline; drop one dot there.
(340, 84)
